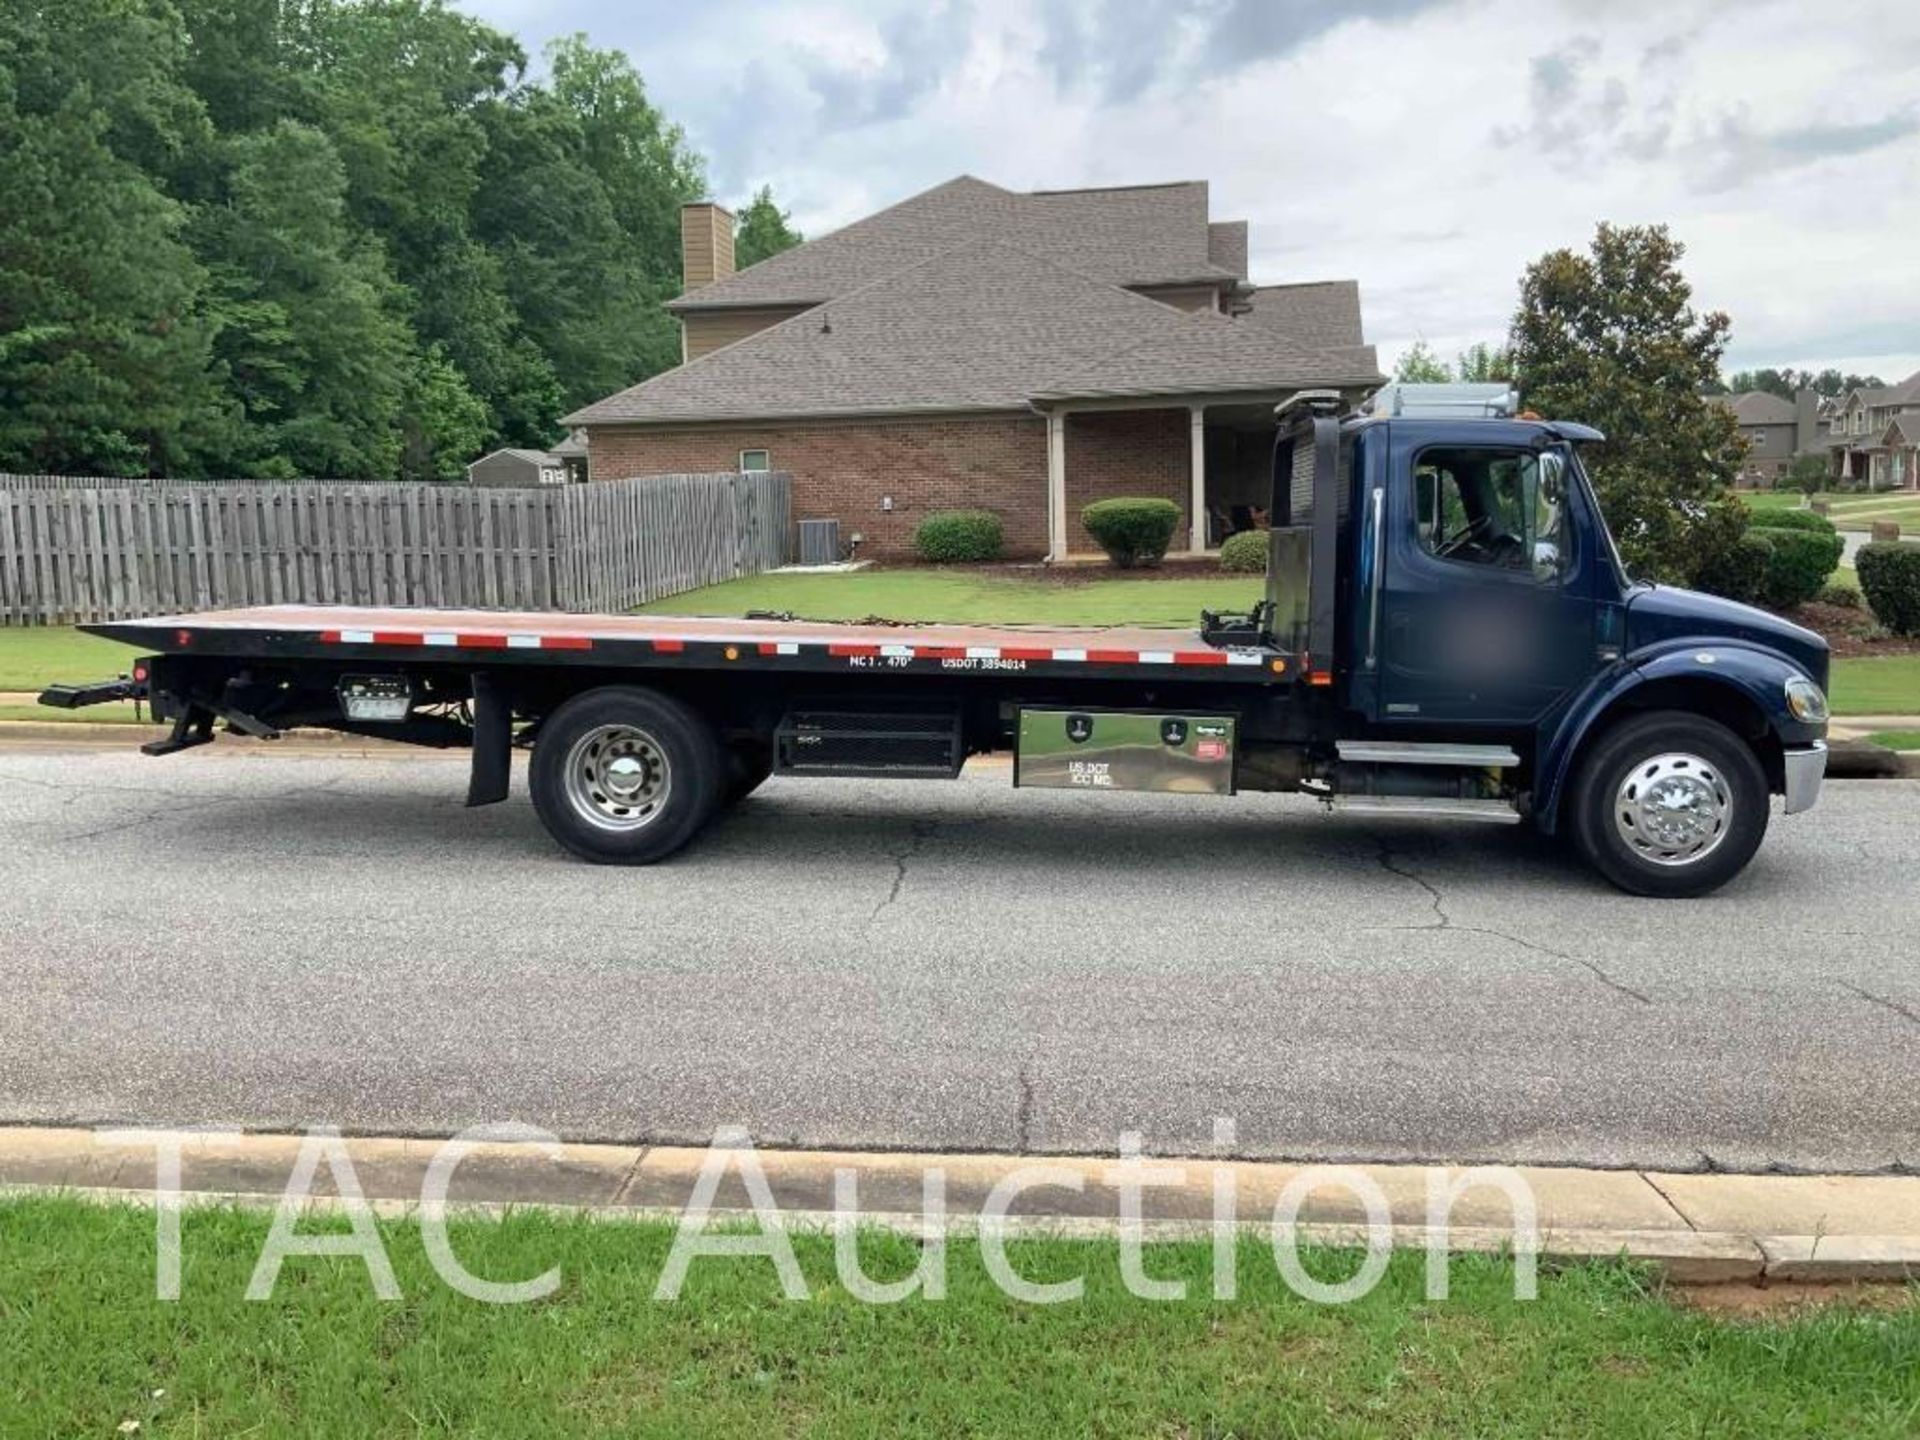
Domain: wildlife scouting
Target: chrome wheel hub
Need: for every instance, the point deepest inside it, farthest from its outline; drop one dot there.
(618, 777)
(1673, 809)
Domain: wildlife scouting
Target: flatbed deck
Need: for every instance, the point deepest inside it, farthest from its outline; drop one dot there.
(476, 636)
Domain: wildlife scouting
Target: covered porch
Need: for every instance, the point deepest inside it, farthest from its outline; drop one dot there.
(1212, 456)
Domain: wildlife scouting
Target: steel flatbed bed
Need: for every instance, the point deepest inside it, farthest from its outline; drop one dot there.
(294, 632)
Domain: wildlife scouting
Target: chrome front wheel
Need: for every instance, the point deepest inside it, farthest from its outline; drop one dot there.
(1673, 809)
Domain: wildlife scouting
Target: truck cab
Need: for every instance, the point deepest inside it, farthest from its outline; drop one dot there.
(1479, 610)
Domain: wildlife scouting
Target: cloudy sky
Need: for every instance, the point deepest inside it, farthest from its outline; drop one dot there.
(1429, 148)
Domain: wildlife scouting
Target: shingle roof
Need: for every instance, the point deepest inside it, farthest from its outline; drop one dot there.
(1902, 430)
(1758, 407)
(1901, 392)
(1320, 312)
(1227, 246)
(983, 327)
(1129, 235)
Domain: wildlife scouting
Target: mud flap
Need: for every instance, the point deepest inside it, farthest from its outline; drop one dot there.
(492, 772)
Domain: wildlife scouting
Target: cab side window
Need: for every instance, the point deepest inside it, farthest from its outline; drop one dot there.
(1503, 509)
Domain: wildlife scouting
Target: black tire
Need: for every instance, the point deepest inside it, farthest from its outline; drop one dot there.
(749, 763)
(674, 776)
(1656, 863)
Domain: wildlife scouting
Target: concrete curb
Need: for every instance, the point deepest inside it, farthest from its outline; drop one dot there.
(1696, 1228)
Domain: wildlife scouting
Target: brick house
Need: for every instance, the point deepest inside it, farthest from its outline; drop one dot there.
(1775, 431)
(1873, 436)
(977, 347)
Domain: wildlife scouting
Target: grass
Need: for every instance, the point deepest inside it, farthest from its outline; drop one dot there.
(33, 656)
(1876, 685)
(1847, 510)
(1598, 1353)
(93, 715)
(1897, 739)
(961, 598)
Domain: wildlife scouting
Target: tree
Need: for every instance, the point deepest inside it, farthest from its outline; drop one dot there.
(1418, 365)
(1610, 338)
(105, 364)
(1484, 364)
(761, 229)
(318, 354)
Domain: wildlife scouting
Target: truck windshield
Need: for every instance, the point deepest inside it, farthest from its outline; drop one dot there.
(1610, 546)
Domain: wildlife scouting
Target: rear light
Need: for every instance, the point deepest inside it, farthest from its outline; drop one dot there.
(140, 673)
(183, 637)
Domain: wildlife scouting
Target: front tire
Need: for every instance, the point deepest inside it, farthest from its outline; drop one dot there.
(1669, 804)
(625, 776)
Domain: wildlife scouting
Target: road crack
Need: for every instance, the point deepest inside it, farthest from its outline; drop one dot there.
(1444, 921)
(1023, 1115)
(1684, 1218)
(1905, 1012)
(918, 833)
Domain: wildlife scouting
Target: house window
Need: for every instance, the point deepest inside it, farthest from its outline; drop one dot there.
(754, 460)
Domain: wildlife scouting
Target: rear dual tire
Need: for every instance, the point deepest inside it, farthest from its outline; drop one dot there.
(626, 776)
(1669, 804)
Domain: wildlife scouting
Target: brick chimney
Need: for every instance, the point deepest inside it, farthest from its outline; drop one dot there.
(706, 244)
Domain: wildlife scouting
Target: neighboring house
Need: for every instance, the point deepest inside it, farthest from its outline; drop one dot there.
(1772, 429)
(572, 453)
(976, 347)
(1873, 437)
(518, 467)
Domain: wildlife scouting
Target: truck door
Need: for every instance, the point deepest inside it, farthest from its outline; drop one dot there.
(1485, 615)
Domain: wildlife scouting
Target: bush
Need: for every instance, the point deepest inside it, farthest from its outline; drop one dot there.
(1245, 552)
(1845, 597)
(1793, 520)
(957, 537)
(1806, 473)
(1737, 571)
(1890, 576)
(1798, 565)
(1133, 531)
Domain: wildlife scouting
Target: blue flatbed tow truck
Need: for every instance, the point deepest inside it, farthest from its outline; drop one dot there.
(1447, 630)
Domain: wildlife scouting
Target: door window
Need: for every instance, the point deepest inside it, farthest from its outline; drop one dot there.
(1505, 510)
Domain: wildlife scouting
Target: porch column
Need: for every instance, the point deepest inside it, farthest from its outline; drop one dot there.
(1197, 478)
(1056, 485)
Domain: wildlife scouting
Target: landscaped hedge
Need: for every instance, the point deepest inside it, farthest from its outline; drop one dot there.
(1890, 576)
(1779, 566)
(1245, 552)
(1792, 520)
(1800, 562)
(1132, 530)
(958, 537)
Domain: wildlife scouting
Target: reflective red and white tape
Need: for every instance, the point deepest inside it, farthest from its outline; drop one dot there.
(837, 649)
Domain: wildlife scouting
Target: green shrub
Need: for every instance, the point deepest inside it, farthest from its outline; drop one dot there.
(1890, 576)
(1844, 597)
(1806, 473)
(1245, 552)
(1800, 562)
(1132, 530)
(957, 537)
(1737, 571)
(1793, 520)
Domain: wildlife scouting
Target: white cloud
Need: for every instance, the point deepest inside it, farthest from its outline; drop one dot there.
(1429, 148)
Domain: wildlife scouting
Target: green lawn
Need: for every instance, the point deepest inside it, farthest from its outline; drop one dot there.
(35, 655)
(1847, 511)
(89, 1349)
(1897, 739)
(1876, 685)
(960, 598)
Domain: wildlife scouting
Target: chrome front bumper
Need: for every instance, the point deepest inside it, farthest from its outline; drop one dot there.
(1806, 768)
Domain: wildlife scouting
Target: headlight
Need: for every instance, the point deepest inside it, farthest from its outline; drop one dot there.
(1805, 700)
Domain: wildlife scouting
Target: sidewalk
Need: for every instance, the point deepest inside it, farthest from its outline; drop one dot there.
(1698, 1228)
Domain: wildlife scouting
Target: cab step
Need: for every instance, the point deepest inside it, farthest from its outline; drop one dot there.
(1429, 807)
(1421, 752)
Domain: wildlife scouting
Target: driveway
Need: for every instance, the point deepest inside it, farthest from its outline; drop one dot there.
(273, 940)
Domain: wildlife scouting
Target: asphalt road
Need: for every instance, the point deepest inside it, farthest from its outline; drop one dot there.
(287, 939)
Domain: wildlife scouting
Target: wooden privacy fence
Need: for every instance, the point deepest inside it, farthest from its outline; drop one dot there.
(74, 554)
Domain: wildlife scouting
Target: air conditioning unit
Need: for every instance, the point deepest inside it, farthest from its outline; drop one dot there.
(819, 542)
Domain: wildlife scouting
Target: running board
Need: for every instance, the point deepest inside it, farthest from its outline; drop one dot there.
(1432, 807)
(1419, 752)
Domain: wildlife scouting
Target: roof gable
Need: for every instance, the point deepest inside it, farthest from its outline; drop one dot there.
(1759, 407)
